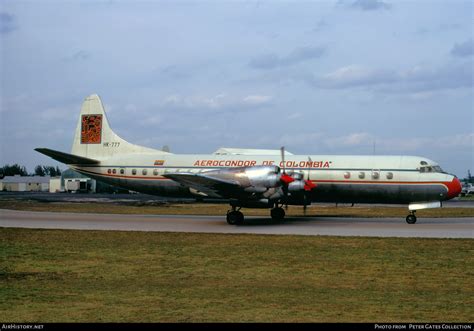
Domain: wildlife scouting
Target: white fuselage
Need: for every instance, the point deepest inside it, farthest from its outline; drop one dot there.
(339, 178)
(251, 177)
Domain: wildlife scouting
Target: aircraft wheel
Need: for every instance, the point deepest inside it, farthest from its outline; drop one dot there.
(278, 214)
(411, 219)
(235, 218)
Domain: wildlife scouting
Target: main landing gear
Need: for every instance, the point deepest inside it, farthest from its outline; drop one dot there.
(277, 214)
(235, 217)
(411, 219)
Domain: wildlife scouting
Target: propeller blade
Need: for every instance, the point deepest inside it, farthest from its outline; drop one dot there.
(308, 184)
(282, 151)
(285, 178)
(310, 162)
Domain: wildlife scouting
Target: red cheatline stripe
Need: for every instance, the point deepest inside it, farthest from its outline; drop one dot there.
(314, 181)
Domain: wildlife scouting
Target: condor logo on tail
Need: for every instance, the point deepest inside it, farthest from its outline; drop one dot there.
(91, 129)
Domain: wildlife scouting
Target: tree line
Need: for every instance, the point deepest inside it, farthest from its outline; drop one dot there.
(40, 170)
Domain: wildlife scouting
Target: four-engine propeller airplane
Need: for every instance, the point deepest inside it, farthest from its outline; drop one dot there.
(253, 178)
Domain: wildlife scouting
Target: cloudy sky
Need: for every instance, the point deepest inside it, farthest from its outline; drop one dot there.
(320, 77)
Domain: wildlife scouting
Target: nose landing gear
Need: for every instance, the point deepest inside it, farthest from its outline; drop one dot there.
(411, 219)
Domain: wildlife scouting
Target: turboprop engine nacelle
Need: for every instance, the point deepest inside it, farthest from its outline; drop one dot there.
(297, 185)
(263, 176)
(267, 181)
(253, 179)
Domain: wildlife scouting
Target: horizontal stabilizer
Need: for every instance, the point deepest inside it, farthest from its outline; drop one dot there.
(65, 157)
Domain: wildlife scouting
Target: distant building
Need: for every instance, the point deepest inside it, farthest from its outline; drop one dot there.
(19, 183)
(72, 181)
(55, 185)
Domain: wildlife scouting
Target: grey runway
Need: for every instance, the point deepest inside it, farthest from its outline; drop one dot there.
(327, 226)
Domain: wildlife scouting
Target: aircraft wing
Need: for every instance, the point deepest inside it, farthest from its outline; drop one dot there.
(210, 186)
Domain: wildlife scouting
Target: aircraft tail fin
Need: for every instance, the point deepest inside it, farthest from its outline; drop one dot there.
(95, 139)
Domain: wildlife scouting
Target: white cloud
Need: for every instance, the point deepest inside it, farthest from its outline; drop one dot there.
(411, 80)
(354, 139)
(298, 55)
(257, 99)
(216, 102)
(178, 79)
(365, 141)
(171, 100)
(58, 114)
(457, 141)
(354, 75)
(401, 145)
(299, 139)
(294, 116)
(421, 95)
(194, 102)
(152, 120)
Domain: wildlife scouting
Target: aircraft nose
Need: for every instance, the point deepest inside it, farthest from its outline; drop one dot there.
(454, 188)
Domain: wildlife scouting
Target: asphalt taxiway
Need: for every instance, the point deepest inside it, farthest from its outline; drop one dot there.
(327, 226)
(145, 199)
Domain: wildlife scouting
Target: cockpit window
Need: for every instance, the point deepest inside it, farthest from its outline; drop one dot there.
(437, 169)
(426, 168)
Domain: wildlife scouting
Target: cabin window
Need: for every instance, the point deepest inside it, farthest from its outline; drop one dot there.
(114, 171)
(375, 174)
(389, 175)
(122, 171)
(109, 171)
(134, 171)
(361, 175)
(347, 175)
(155, 172)
(144, 172)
